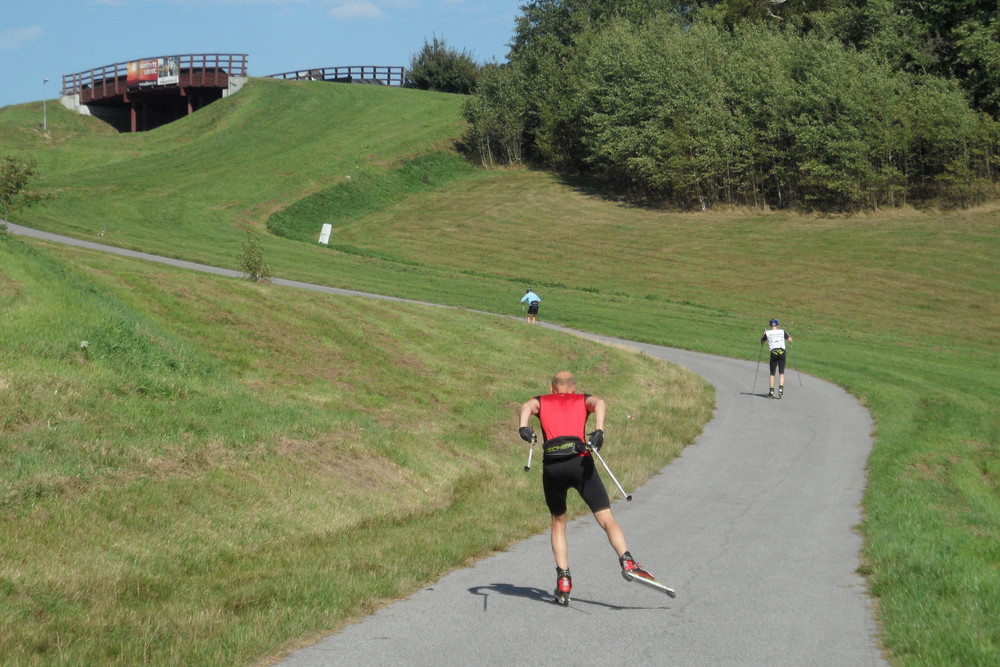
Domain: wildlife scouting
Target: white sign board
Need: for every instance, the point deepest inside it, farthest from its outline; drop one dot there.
(324, 235)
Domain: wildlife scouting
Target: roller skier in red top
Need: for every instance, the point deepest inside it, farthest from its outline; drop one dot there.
(567, 464)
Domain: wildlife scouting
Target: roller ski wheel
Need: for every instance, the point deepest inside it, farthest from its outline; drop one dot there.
(564, 585)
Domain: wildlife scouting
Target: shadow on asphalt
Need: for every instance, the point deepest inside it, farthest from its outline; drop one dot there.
(538, 595)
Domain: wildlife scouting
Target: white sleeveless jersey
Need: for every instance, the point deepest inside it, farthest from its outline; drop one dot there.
(775, 339)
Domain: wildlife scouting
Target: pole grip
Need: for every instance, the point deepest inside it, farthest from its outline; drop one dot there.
(531, 449)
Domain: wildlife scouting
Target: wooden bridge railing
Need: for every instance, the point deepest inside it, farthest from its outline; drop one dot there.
(203, 69)
(389, 76)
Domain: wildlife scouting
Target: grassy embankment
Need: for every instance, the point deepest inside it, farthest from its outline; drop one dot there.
(898, 307)
(226, 467)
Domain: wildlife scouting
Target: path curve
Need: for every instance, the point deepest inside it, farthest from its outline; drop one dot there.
(754, 525)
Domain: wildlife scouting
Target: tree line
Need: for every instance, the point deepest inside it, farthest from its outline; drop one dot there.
(823, 104)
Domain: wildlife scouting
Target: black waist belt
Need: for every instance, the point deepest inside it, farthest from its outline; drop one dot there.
(561, 447)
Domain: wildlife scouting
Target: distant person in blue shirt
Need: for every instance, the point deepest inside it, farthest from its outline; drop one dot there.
(533, 301)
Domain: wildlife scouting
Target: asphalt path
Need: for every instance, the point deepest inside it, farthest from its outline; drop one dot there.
(754, 526)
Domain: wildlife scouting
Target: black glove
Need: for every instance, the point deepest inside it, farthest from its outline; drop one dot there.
(526, 433)
(596, 439)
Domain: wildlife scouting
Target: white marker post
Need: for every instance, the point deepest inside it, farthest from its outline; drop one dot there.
(324, 235)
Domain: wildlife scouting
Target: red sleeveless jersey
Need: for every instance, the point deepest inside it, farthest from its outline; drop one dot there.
(563, 415)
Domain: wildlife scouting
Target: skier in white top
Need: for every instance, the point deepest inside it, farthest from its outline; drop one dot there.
(776, 338)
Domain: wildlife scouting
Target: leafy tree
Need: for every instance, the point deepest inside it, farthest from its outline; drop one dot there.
(950, 38)
(951, 149)
(829, 104)
(877, 27)
(977, 55)
(701, 116)
(555, 27)
(549, 40)
(734, 13)
(655, 113)
(496, 113)
(438, 67)
(15, 175)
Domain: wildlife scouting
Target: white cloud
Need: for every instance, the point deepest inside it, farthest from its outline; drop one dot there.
(355, 9)
(17, 38)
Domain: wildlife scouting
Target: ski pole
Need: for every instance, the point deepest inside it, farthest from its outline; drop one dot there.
(628, 496)
(797, 374)
(531, 448)
(759, 354)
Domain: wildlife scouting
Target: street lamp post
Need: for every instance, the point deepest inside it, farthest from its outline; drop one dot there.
(45, 110)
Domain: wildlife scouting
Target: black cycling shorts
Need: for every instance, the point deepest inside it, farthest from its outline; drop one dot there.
(578, 473)
(778, 361)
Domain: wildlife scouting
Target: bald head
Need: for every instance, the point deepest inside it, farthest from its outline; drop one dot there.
(563, 382)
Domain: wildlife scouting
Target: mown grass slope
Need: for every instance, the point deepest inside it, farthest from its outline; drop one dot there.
(199, 470)
(191, 187)
(194, 467)
(899, 307)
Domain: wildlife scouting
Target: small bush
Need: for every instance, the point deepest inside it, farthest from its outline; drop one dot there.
(252, 261)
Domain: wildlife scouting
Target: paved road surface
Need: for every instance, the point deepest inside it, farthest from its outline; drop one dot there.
(754, 526)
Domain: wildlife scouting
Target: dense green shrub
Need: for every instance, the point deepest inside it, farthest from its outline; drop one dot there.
(700, 115)
(438, 67)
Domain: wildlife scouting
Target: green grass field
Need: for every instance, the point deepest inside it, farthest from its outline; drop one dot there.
(199, 396)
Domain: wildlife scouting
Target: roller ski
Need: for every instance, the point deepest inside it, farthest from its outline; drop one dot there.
(631, 571)
(564, 584)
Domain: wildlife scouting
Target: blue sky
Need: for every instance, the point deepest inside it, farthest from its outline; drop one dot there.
(46, 39)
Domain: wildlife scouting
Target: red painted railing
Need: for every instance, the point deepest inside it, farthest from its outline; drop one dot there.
(203, 69)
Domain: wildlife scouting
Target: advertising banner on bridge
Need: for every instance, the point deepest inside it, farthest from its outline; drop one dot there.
(153, 72)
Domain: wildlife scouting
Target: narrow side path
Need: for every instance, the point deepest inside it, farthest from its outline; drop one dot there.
(753, 525)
